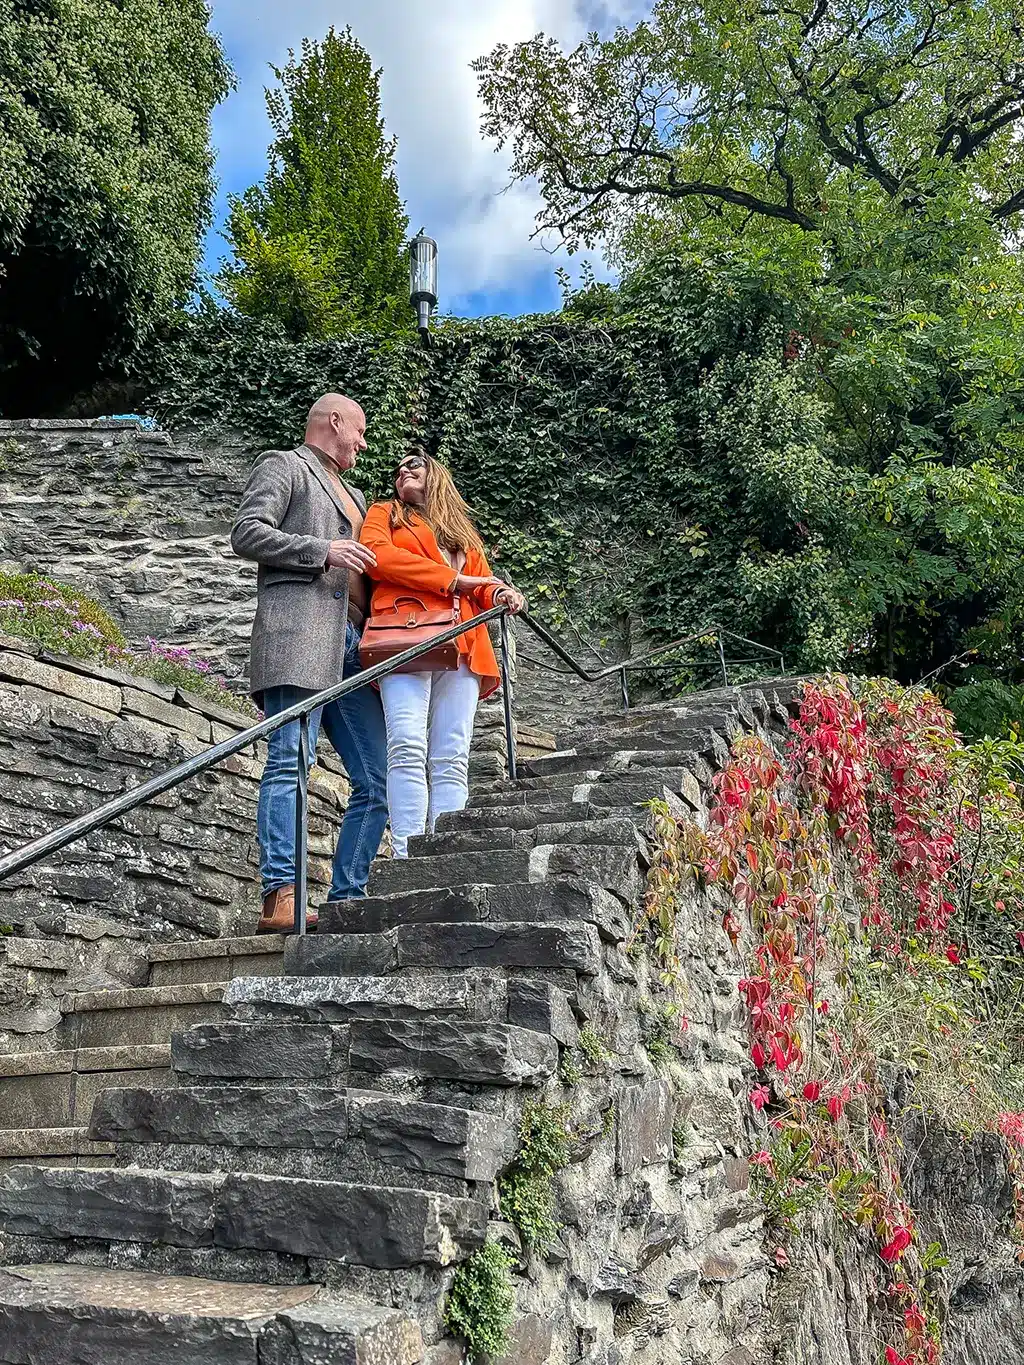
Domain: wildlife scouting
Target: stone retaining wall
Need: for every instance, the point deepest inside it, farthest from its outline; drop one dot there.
(141, 521)
(73, 735)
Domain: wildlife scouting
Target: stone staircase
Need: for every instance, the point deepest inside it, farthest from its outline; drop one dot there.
(278, 1150)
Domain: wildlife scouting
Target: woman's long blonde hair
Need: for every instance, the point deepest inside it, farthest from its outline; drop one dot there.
(445, 511)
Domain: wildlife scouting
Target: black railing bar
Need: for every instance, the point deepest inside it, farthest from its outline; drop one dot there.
(650, 668)
(613, 669)
(128, 801)
(755, 643)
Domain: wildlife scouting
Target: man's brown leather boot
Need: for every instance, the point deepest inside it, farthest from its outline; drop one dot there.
(278, 915)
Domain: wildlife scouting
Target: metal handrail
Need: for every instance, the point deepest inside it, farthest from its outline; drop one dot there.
(82, 825)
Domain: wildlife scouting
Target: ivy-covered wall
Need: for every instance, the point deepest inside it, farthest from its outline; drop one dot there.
(582, 442)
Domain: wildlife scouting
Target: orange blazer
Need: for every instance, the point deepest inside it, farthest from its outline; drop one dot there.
(410, 563)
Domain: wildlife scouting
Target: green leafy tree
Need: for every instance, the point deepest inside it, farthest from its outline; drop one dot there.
(828, 119)
(105, 183)
(319, 245)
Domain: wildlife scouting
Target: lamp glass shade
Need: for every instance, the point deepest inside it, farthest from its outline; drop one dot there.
(423, 270)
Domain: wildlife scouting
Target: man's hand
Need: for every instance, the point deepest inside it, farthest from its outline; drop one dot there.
(349, 554)
(511, 598)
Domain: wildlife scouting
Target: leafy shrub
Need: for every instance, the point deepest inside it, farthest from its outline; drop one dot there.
(481, 1300)
(593, 1046)
(987, 709)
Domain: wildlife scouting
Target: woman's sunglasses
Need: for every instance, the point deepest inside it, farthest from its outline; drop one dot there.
(411, 465)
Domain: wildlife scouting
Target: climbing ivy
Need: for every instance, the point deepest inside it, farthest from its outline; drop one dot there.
(675, 452)
(576, 439)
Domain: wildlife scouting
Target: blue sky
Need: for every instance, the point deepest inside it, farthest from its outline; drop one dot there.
(454, 183)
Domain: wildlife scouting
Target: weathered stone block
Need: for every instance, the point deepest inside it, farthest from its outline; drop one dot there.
(38, 954)
(471, 994)
(79, 1315)
(18, 668)
(463, 869)
(341, 1334)
(570, 945)
(644, 1116)
(280, 1050)
(122, 1205)
(441, 1139)
(387, 1229)
(464, 1050)
(542, 1007)
(137, 702)
(342, 954)
(228, 1116)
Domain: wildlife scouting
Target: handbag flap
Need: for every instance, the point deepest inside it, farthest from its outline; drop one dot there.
(410, 618)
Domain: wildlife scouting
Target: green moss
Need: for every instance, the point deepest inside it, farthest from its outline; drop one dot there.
(657, 1031)
(526, 1188)
(569, 1071)
(593, 1046)
(480, 1302)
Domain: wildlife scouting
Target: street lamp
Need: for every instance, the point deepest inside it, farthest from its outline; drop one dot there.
(423, 280)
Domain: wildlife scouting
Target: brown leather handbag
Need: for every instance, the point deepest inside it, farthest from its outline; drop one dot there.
(393, 632)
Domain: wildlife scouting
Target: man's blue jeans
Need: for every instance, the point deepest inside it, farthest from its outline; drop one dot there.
(356, 730)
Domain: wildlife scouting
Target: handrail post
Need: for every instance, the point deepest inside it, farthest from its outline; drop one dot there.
(506, 692)
(624, 685)
(721, 656)
(302, 826)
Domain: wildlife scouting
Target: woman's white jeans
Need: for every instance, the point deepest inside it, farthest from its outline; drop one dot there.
(430, 727)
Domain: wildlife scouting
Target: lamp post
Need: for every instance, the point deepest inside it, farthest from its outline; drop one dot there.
(423, 281)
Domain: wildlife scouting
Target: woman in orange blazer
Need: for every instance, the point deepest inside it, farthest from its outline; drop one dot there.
(427, 547)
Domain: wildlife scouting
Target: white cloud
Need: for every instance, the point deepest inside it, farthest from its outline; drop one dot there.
(454, 184)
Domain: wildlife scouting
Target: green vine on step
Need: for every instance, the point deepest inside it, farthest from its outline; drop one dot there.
(526, 1188)
(481, 1302)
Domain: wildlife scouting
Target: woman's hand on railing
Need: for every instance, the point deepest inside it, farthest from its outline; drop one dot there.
(512, 598)
(466, 585)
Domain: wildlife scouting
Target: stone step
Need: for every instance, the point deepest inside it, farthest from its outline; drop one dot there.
(187, 964)
(413, 874)
(657, 725)
(83, 1315)
(473, 994)
(516, 817)
(597, 789)
(537, 902)
(140, 1015)
(467, 1051)
(473, 1051)
(395, 1130)
(613, 866)
(538, 1002)
(57, 1089)
(617, 760)
(570, 944)
(607, 830)
(52, 1147)
(380, 1227)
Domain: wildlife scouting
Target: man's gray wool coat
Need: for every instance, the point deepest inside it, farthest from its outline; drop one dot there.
(288, 517)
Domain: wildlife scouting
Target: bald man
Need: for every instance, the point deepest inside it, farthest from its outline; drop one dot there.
(300, 521)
